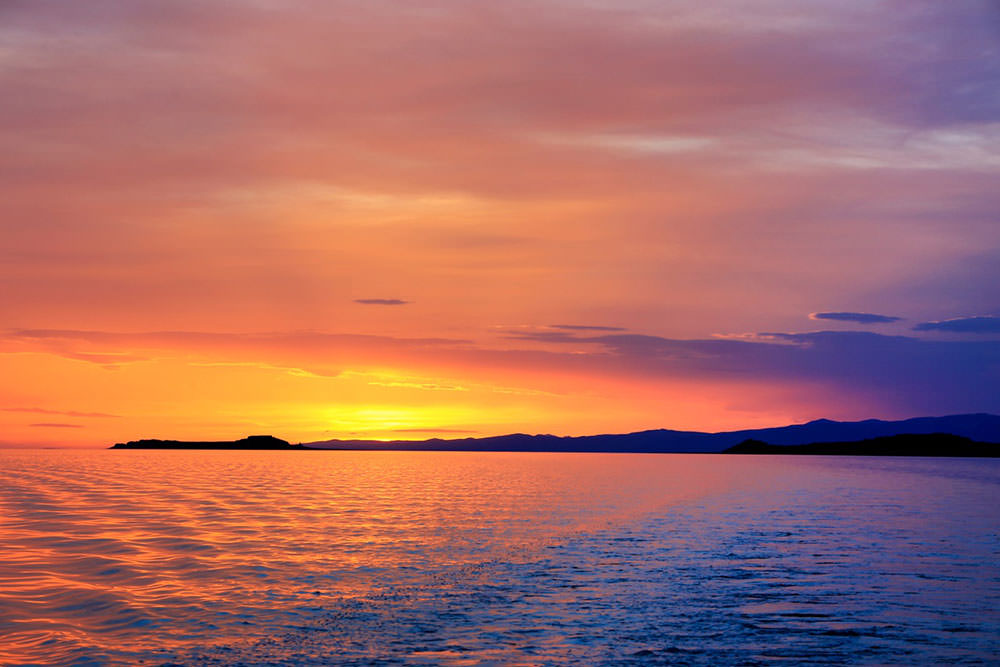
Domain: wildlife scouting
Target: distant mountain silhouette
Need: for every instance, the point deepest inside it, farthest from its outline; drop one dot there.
(977, 427)
(921, 444)
(250, 442)
(973, 428)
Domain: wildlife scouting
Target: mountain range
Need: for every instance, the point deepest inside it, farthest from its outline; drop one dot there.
(980, 427)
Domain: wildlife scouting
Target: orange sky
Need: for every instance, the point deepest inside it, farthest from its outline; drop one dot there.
(342, 219)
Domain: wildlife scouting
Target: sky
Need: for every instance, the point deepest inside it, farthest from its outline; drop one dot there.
(374, 219)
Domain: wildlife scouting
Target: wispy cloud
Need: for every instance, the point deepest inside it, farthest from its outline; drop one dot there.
(859, 318)
(299, 372)
(543, 336)
(67, 413)
(982, 324)
(904, 374)
(55, 425)
(382, 302)
(636, 113)
(427, 386)
(433, 430)
(585, 327)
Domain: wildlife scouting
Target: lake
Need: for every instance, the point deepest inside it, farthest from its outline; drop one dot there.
(456, 558)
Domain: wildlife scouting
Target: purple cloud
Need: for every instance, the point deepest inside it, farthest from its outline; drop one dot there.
(859, 318)
(585, 327)
(382, 302)
(907, 375)
(980, 324)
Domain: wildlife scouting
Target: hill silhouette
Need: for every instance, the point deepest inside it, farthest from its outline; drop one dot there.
(249, 442)
(978, 427)
(920, 444)
(973, 428)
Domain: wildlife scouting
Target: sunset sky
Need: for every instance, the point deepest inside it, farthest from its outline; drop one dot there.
(347, 218)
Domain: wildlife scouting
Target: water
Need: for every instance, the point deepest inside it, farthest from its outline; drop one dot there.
(289, 558)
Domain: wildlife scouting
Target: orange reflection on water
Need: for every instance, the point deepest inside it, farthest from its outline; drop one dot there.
(262, 557)
(149, 550)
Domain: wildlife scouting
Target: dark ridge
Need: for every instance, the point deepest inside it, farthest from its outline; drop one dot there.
(908, 444)
(978, 427)
(250, 442)
(659, 441)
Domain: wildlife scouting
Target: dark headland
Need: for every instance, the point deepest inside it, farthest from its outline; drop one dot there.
(949, 436)
(920, 444)
(249, 442)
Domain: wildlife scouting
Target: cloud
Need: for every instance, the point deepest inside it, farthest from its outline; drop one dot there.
(151, 340)
(879, 375)
(905, 375)
(433, 430)
(315, 354)
(271, 193)
(300, 372)
(585, 327)
(860, 318)
(55, 425)
(979, 324)
(544, 336)
(68, 413)
(382, 302)
(428, 386)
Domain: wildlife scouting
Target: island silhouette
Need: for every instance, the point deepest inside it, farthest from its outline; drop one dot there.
(249, 442)
(954, 435)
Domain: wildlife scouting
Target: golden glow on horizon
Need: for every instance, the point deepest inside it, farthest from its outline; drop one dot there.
(67, 398)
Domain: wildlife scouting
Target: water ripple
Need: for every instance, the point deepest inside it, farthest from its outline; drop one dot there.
(267, 558)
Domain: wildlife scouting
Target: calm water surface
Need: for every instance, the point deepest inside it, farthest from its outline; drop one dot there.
(310, 558)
